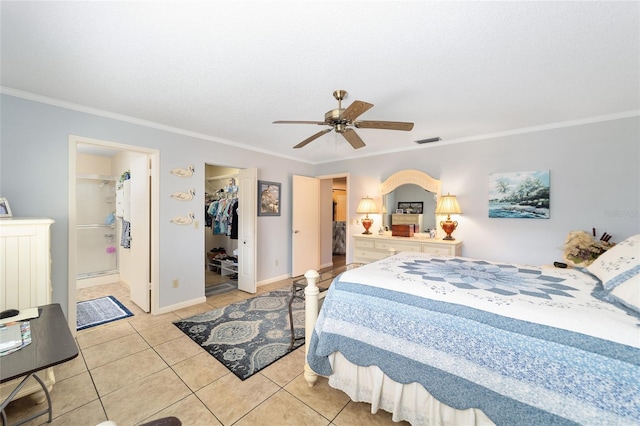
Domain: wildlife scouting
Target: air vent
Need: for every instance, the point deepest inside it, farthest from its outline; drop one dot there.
(436, 139)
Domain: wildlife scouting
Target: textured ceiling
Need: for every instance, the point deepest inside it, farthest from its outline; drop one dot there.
(226, 70)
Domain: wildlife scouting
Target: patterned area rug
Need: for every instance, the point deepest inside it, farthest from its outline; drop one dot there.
(91, 313)
(220, 288)
(248, 336)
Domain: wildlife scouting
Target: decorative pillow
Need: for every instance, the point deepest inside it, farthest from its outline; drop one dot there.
(618, 264)
(627, 293)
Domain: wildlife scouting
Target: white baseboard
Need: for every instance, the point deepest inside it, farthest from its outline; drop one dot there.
(181, 305)
(272, 280)
(99, 280)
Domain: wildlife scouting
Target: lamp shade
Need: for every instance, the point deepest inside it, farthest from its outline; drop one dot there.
(448, 204)
(366, 206)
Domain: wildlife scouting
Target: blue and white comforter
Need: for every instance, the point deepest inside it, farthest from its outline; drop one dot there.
(526, 345)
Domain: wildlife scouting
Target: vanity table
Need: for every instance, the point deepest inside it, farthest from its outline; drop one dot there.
(369, 248)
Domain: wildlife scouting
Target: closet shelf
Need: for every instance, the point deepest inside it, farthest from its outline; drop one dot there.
(95, 225)
(95, 177)
(222, 177)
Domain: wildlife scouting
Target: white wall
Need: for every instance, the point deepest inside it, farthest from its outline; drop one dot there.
(34, 157)
(595, 182)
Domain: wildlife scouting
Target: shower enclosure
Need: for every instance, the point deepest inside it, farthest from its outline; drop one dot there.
(97, 252)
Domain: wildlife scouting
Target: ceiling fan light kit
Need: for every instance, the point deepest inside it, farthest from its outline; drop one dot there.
(343, 120)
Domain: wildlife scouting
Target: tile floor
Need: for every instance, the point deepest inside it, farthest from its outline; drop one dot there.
(143, 368)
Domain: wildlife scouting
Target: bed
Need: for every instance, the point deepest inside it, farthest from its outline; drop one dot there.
(453, 340)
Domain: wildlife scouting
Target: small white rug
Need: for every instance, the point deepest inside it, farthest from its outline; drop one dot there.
(99, 311)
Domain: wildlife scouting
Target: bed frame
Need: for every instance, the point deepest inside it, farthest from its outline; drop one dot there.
(311, 308)
(417, 407)
(312, 292)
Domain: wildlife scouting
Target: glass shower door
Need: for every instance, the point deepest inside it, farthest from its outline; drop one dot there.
(97, 252)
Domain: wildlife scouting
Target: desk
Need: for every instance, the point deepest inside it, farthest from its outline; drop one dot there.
(51, 344)
(323, 283)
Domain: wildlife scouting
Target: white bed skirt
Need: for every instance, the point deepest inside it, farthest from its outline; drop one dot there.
(409, 402)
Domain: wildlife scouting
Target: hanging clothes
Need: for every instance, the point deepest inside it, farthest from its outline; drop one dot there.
(220, 210)
(208, 221)
(234, 221)
(125, 240)
(212, 214)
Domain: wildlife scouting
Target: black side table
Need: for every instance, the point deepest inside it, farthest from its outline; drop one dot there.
(323, 283)
(51, 344)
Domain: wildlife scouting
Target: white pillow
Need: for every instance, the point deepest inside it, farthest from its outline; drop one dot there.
(627, 293)
(618, 264)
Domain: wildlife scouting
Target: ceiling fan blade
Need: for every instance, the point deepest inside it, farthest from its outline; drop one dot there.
(387, 125)
(352, 137)
(354, 110)
(299, 122)
(312, 138)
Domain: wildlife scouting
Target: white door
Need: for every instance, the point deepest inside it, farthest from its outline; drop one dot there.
(140, 277)
(247, 213)
(305, 250)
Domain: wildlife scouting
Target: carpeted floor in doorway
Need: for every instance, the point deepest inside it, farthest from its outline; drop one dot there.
(248, 336)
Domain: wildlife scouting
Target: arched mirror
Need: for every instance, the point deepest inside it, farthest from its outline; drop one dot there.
(413, 192)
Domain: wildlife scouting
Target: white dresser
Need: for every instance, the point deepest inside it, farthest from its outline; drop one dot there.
(25, 281)
(369, 248)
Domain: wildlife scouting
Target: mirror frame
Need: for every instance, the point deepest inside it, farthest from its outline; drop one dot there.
(415, 177)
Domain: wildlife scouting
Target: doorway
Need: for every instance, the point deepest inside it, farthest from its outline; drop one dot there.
(339, 221)
(332, 215)
(137, 268)
(230, 229)
(220, 240)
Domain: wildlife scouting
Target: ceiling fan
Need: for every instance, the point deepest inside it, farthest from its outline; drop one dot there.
(342, 120)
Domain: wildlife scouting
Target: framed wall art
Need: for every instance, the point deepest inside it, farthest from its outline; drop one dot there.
(411, 207)
(5, 210)
(519, 195)
(268, 198)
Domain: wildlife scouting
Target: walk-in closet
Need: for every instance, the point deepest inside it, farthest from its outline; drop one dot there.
(221, 228)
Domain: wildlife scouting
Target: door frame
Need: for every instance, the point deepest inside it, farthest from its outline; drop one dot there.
(154, 157)
(247, 216)
(248, 230)
(348, 257)
(304, 208)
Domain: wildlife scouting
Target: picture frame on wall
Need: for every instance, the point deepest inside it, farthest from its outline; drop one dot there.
(411, 207)
(520, 195)
(268, 198)
(5, 209)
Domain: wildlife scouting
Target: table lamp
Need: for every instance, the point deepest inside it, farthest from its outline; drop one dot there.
(366, 206)
(448, 204)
